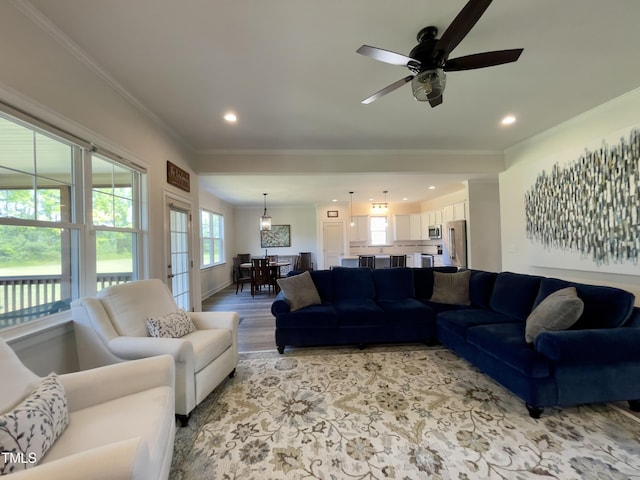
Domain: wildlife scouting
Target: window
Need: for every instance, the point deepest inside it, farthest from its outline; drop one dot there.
(44, 220)
(211, 238)
(115, 219)
(378, 229)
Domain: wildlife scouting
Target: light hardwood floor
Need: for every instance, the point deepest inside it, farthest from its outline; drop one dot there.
(257, 326)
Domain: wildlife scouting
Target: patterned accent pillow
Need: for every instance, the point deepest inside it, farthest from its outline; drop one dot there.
(28, 431)
(172, 325)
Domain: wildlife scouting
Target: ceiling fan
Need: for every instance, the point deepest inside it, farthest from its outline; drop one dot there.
(429, 60)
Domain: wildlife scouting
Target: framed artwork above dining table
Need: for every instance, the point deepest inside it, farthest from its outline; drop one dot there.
(278, 236)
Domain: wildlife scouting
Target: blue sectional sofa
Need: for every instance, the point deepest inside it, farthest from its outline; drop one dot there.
(595, 360)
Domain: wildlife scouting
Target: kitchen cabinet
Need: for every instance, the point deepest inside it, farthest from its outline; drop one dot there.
(407, 227)
(432, 217)
(359, 232)
(460, 211)
(456, 211)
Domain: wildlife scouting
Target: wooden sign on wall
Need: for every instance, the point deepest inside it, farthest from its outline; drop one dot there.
(178, 177)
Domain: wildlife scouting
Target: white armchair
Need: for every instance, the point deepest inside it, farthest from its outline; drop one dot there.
(112, 328)
(121, 420)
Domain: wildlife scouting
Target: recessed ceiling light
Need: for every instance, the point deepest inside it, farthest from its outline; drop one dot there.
(230, 117)
(508, 120)
(405, 199)
(432, 187)
(334, 200)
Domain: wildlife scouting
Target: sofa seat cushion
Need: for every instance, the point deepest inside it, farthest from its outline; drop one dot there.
(147, 415)
(314, 316)
(506, 343)
(459, 321)
(443, 307)
(208, 345)
(406, 311)
(359, 313)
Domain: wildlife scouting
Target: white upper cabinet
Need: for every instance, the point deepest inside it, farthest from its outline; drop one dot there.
(359, 232)
(407, 227)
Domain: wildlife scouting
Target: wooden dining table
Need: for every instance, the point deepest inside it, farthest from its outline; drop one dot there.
(274, 269)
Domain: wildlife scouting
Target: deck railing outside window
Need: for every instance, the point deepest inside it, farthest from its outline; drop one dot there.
(30, 297)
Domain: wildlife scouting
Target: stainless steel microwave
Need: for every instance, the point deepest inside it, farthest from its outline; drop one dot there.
(434, 232)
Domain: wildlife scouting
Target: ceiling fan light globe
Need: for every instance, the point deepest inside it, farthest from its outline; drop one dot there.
(428, 85)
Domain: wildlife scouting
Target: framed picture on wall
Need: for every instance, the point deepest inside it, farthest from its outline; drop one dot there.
(278, 236)
(332, 213)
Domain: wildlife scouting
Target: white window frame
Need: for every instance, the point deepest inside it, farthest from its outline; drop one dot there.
(385, 230)
(211, 238)
(83, 263)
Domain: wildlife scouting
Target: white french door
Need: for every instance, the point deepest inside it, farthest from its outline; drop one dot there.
(180, 262)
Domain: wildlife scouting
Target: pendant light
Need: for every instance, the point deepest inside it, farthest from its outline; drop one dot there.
(265, 219)
(351, 210)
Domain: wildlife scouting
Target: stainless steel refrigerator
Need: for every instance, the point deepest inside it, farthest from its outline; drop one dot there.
(454, 251)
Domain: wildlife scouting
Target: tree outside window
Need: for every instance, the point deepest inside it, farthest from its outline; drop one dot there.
(211, 238)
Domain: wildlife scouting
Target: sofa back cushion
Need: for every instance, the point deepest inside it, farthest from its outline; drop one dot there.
(393, 283)
(481, 287)
(17, 380)
(323, 280)
(514, 294)
(423, 280)
(353, 283)
(604, 307)
(130, 304)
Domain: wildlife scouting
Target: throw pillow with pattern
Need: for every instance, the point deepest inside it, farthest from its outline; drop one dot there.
(172, 325)
(29, 430)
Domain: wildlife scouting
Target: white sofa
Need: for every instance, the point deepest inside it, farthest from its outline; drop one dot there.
(121, 420)
(112, 328)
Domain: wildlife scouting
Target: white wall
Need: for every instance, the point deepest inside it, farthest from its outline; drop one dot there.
(303, 230)
(483, 225)
(529, 158)
(42, 77)
(216, 278)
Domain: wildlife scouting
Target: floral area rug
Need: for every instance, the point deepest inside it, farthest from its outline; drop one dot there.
(406, 413)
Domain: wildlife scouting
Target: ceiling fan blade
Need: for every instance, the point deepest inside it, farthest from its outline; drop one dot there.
(385, 56)
(481, 60)
(460, 27)
(435, 101)
(387, 89)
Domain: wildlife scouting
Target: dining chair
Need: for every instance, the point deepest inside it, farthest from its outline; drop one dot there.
(367, 261)
(244, 257)
(240, 275)
(260, 275)
(303, 261)
(397, 261)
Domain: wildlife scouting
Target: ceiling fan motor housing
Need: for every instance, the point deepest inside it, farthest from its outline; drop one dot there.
(424, 51)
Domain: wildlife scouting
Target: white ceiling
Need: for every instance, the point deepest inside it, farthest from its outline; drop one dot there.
(288, 68)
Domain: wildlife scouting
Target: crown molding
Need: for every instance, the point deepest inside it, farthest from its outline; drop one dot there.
(48, 27)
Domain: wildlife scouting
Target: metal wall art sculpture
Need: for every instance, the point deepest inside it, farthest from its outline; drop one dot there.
(591, 206)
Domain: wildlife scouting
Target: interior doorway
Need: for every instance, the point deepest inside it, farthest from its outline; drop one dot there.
(179, 258)
(332, 243)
